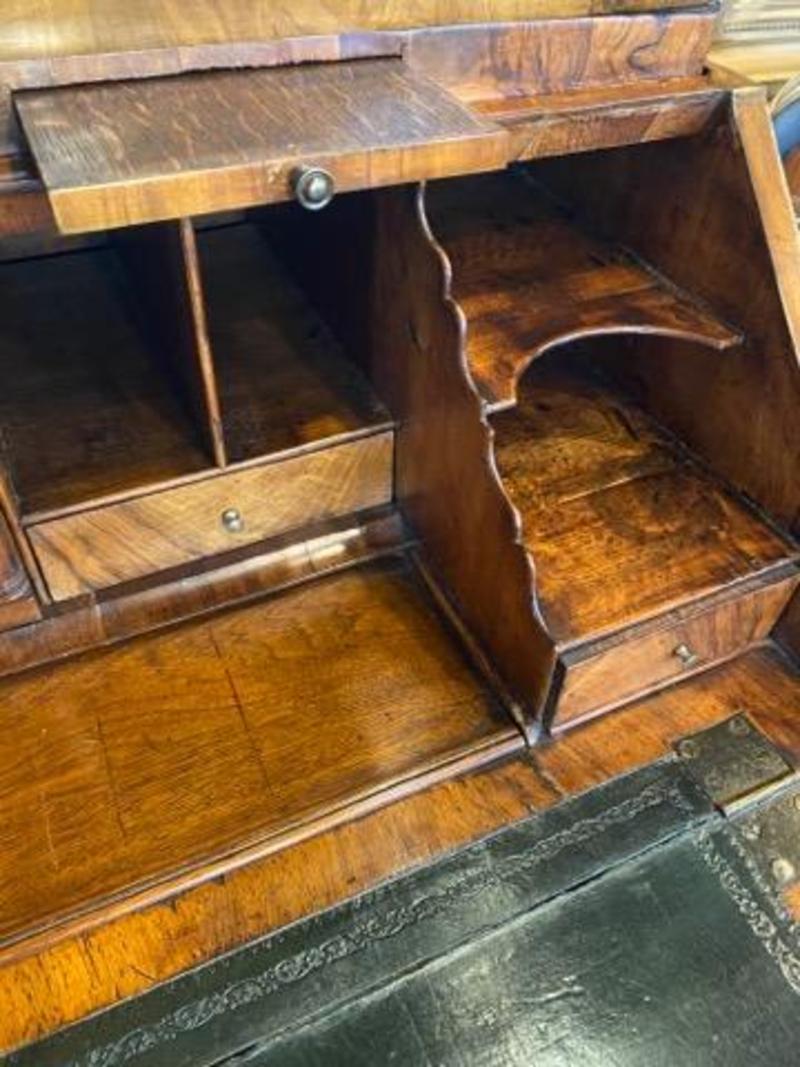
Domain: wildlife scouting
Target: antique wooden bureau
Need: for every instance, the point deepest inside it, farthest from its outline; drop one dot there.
(384, 387)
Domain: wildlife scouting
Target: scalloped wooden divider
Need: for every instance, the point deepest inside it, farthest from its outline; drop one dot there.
(446, 477)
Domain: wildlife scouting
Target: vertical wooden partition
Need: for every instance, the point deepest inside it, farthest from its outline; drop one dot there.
(163, 260)
(446, 477)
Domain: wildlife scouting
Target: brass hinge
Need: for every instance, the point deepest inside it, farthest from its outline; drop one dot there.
(735, 763)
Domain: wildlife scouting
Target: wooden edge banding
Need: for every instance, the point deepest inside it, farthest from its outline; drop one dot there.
(770, 186)
(704, 331)
(202, 343)
(76, 923)
(447, 479)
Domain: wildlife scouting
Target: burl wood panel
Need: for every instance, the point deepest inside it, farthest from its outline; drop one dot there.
(140, 764)
(446, 481)
(94, 549)
(18, 603)
(621, 524)
(714, 213)
(528, 279)
(601, 677)
(46, 986)
(283, 380)
(86, 408)
(138, 151)
(500, 63)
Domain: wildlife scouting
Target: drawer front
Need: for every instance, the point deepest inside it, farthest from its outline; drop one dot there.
(599, 682)
(105, 546)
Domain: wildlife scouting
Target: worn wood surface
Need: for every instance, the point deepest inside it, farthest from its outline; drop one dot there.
(621, 525)
(608, 116)
(680, 206)
(243, 727)
(202, 588)
(284, 381)
(49, 28)
(45, 987)
(446, 480)
(86, 408)
(474, 61)
(137, 151)
(97, 548)
(528, 280)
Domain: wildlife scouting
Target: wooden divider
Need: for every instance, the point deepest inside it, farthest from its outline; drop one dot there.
(162, 261)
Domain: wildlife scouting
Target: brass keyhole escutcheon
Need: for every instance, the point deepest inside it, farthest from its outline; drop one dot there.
(686, 655)
(313, 187)
(232, 520)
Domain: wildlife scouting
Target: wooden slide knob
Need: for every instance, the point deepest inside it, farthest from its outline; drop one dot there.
(313, 187)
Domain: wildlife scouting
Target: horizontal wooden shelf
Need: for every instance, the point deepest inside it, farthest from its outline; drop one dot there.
(120, 153)
(248, 729)
(622, 526)
(602, 116)
(528, 278)
(282, 378)
(88, 407)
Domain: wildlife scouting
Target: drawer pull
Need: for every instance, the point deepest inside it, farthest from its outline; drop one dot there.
(687, 657)
(232, 520)
(313, 187)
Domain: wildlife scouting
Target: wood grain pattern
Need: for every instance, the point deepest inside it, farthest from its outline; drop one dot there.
(446, 480)
(18, 603)
(601, 677)
(78, 424)
(115, 154)
(678, 206)
(49, 28)
(43, 988)
(279, 712)
(621, 525)
(474, 60)
(48, 988)
(553, 55)
(204, 587)
(283, 379)
(590, 119)
(528, 280)
(94, 549)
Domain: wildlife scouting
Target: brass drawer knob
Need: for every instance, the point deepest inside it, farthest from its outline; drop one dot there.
(232, 520)
(686, 655)
(313, 187)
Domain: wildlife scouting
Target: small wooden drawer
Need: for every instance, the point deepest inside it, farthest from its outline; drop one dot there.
(102, 547)
(601, 676)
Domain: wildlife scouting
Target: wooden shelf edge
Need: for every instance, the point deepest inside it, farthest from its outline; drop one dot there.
(657, 309)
